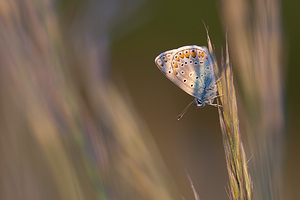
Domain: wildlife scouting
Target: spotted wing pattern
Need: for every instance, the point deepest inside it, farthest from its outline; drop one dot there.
(190, 68)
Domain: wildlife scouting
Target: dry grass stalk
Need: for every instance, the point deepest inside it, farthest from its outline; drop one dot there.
(240, 185)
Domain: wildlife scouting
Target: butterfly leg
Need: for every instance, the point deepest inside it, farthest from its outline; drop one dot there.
(219, 95)
(210, 102)
(218, 80)
(215, 105)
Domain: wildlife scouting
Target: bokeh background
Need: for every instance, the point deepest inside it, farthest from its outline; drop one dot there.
(86, 114)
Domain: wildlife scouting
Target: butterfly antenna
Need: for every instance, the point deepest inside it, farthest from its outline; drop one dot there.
(182, 113)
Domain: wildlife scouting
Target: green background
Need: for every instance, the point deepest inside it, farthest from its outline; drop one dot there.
(158, 26)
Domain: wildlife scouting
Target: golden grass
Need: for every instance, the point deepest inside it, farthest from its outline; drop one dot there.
(240, 184)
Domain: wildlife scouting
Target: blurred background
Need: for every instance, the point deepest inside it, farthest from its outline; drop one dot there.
(86, 114)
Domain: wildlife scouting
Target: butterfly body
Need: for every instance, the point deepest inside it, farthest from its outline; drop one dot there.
(191, 69)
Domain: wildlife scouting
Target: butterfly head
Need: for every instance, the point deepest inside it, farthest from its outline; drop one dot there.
(199, 103)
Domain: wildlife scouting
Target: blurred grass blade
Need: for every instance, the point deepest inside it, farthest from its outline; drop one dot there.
(257, 51)
(192, 185)
(67, 132)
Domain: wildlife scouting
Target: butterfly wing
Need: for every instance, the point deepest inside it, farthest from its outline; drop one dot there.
(190, 68)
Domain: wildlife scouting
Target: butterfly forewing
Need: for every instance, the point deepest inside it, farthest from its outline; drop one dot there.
(190, 68)
(163, 62)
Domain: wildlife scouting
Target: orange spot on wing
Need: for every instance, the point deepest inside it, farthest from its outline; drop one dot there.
(175, 65)
(187, 54)
(193, 53)
(181, 55)
(175, 72)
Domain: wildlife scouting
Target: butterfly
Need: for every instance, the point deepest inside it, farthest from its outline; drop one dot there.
(191, 69)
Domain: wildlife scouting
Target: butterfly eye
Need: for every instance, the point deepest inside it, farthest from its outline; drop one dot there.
(197, 77)
(169, 72)
(199, 102)
(185, 63)
(182, 65)
(192, 85)
(182, 72)
(196, 63)
(184, 80)
(191, 61)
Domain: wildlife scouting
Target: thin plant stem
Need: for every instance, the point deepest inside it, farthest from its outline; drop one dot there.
(240, 184)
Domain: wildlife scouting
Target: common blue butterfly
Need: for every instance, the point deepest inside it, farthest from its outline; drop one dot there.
(191, 69)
